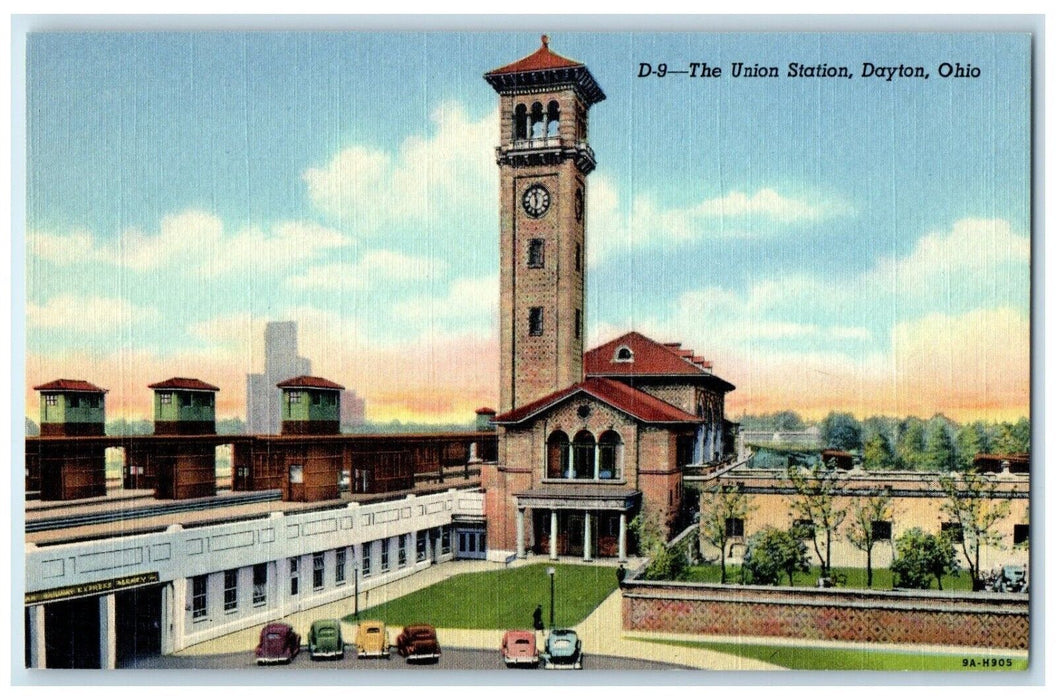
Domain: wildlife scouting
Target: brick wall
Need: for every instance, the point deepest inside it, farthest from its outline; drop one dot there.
(901, 617)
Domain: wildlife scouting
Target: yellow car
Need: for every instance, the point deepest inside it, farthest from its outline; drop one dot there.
(372, 640)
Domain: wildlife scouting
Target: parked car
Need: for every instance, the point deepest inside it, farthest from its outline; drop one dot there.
(418, 643)
(325, 640)
(278, 644)
(372, 639)
(518, 648)
(563, 650)
(1012, 579)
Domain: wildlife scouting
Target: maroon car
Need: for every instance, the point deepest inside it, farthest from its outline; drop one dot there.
(278, 644)
(418, 643)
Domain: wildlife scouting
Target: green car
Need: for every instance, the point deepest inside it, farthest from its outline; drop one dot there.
(325, 641)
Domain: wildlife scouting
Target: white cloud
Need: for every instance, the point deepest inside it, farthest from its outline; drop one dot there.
(470, 298)
(735, 214)
(373, 267)
(82, 314)
(192, 241)
(449, 174)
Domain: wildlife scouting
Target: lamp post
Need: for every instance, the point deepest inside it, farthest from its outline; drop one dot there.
(550, 570)
(355, 575)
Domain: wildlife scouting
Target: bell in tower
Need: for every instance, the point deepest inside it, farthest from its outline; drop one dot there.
(544, 159)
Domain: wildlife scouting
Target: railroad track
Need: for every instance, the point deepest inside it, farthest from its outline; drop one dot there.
(152, 510)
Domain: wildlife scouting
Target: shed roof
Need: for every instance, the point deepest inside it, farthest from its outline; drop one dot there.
(185, 383)
(306, 382)
(69, 385)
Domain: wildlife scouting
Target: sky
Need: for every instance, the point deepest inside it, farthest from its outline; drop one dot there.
(857, 244)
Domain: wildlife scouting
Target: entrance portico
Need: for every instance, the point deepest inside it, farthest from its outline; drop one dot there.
(580, 520)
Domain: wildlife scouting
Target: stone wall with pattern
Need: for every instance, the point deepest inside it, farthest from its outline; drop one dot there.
(990, 620)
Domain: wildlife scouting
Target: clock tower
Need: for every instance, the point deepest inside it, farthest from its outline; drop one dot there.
(544, 159)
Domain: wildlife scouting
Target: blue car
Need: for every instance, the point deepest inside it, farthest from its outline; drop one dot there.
(563, 649)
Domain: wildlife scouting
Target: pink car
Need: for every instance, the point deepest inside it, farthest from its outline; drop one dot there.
(518, 649)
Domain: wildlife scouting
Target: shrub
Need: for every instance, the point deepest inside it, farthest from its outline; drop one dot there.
(770, 553)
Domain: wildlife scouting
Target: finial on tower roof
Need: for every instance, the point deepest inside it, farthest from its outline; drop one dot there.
(546, 40)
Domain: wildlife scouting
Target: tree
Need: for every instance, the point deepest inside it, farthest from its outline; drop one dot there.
(32, 429)
(920, 556)
(1012, 438)
(861, 533)
(910, 444)
(971, 440)
(841, 431)
(973, 502)
(815, 502)
(877, 454)
(770, 553)
(718, 506)
(665, 563)
(938, 449)
(785, 421)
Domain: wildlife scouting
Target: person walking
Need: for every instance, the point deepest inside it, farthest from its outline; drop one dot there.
(537, 618)
(621, 573)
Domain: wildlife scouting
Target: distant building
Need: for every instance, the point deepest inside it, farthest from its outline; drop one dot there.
(353, 408)
(263, 408)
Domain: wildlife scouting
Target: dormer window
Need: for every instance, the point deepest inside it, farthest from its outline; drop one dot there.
(623, 354)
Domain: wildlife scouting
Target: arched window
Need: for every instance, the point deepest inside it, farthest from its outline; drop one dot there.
(623, 354)
(553, 118)
(610, 455)
(538, 123)
(583, 459)
(520, 123)
(557, 456)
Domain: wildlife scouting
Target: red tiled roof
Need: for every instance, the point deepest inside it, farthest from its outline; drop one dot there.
(485, 409)
(650, 358)
(622, 397)
(542, 59)
(187, 383)
(70, 385)
(306, 382)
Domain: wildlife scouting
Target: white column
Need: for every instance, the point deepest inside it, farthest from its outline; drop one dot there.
(553, 534)
(107, 631)
(167, 619)
(37, 649)
(623, 537)
(586, 536)
(179, 612)
(520, 533)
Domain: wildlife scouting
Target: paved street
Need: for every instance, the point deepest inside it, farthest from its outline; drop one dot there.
(451, 659)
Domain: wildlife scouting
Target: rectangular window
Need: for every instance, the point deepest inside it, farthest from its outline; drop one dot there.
(339, 568)
(294, 397)
(535, 320)
(953, 532)
(185, 400)
(260, 585)
(198, 597)
(366, 559)
(1020, 533)
(318, 569)
(295, 576)
(535, 252)
(422, 535)
(51, 400)
(445, 540)
(881, 530)
(734, 527)
(803, 529)
(165, 398)
(384, 555)
(579, 323)
(401, 553)
(231, 590)
(317, 399)
(579, 258)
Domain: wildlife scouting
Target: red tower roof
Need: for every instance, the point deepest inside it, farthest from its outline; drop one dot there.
(648, 358)
(185, 383)
(70, 385)
(543, 69)
(306, 382)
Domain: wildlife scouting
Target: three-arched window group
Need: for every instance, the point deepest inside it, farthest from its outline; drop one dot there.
(535, 123)
(584, 457)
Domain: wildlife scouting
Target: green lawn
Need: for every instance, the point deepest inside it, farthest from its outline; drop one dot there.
(855, 578)
(807, 658)
(502, 599)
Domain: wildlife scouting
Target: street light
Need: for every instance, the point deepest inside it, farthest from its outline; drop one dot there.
(355, 572)
(550, 570)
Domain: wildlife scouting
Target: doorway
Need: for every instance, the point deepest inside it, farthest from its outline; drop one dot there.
(138, 625)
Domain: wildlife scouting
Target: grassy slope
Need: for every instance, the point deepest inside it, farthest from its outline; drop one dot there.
(806, 658)
(501, 599)
(882, 578)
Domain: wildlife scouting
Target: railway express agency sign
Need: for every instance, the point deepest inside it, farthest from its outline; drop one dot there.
(94, 588)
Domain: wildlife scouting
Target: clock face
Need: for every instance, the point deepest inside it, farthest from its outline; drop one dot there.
(579, 204)
(536, 201)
